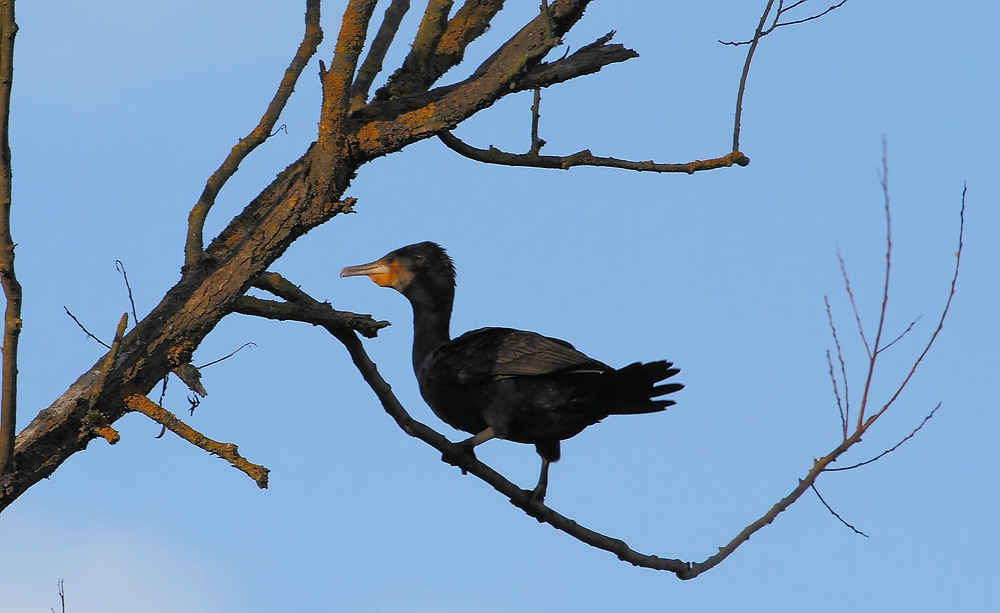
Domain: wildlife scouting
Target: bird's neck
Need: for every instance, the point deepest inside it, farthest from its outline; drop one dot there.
(431, 325)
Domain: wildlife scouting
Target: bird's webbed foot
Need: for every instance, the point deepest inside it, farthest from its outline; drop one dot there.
(462, 455)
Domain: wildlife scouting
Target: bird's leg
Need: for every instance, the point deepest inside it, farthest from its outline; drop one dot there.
(538, 494)
(463, 459)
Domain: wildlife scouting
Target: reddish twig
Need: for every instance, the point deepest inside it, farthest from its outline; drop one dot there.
(845, 411)
(893, 448)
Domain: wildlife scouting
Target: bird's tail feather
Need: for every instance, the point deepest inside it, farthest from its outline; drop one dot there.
(636, 391)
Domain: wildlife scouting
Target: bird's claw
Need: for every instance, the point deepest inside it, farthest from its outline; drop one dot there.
(463, 458)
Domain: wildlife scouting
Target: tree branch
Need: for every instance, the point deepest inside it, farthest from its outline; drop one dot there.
(376, 53)
(337, 81)
(468, 24)
(11, 286)
(226, 451)
(583, 158)
(447, 108)
(194, 247)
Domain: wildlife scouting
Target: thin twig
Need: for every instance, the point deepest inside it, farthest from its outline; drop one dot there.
(900, 337)
(854, 305)
(894, 447)
(836, 393)
(884, 180)
(163, 393)
(85, 330)
(944, 314)
(536, 143)
(743, 77)
(11, 287)
(120, 267)
(226, 451)
(777, 16)
(583, 158)
(845, 413)
(194, 247)
(835, 513)
(241, 348)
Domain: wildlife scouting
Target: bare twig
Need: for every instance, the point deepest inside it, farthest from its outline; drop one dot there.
(836, 393)
(854, 304)
(11, 286)
(835, 514)
(944, 315)
(583, 158)
(845, 412)
(894, 447)
(226, 451)
(777, 16)
(226, 357)
(120, 267)
(900, 337)
(746, 72)
(85, 330)
(884, 180)
(194, 247)
(62, 597)
(536, 143)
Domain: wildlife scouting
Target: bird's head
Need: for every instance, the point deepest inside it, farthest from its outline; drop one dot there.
(411, 269)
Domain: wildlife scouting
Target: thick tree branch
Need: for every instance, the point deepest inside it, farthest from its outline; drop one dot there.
(491, 81)
(583, 158)
(226, 451)
(426, 64)
(337, 81)
(11, 287)
(376, 53)
(587, 60)
(194, 247)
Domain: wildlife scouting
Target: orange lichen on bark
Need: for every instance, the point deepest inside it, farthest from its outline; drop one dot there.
(109, 434)
(226, 451)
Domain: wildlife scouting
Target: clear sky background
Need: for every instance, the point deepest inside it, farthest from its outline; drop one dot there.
(121, 110)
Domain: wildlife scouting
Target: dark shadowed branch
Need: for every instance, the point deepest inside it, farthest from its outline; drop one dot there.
(194, 248)
(226, 451)
(11, 286)
(583, 158)
(835, 514)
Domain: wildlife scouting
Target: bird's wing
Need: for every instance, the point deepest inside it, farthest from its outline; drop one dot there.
(503, 352)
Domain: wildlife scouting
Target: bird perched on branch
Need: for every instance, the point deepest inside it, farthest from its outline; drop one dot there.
(504, 383)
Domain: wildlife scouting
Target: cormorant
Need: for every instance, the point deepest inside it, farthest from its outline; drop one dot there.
(504, 383)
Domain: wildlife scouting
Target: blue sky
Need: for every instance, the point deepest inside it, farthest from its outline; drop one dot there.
(122, 110)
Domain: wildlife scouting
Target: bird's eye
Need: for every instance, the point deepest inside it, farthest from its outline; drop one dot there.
(390, 258)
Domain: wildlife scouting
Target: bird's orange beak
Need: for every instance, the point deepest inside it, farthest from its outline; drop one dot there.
(382, 272)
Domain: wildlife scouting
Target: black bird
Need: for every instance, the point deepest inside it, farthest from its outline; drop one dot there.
(504, 383)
